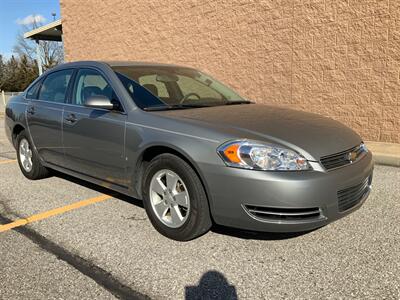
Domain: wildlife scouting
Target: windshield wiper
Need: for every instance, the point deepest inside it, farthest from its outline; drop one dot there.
(239, 102)
(173, 106)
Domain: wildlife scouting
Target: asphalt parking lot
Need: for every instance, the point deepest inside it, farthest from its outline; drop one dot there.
(109, 249)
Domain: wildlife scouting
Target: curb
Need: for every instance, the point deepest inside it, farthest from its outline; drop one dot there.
(385, 159)
(385, 153)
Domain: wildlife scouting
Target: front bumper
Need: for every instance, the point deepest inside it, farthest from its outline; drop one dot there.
(288, 197)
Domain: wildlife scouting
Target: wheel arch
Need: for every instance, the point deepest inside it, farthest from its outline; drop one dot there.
(153, 151)
(17, 129)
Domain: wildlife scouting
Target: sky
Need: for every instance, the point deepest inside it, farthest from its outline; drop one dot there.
(14, 13)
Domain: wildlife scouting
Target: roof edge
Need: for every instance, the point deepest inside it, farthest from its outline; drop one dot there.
(29, 34)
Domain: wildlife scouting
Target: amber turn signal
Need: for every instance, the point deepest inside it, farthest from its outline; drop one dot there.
(232, 153)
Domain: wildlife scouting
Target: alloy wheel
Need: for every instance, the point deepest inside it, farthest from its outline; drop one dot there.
(25, 155)
(169, 198)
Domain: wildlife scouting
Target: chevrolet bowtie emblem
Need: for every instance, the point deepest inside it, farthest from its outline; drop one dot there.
(352, 156)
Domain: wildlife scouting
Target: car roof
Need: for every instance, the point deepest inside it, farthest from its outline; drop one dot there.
(117, 64)
(139, 64)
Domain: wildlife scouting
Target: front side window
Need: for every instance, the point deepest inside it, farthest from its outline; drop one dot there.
(178, 86)
(55, 86)
(90, 83)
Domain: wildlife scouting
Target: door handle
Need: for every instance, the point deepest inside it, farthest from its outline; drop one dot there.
(31, 110)
(71, 118)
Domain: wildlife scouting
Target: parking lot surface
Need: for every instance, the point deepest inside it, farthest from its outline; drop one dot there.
(109, 249)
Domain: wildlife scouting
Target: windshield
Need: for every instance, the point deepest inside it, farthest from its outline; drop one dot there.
(172, 87)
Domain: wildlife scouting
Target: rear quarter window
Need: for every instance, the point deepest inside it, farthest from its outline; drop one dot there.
(32, 92)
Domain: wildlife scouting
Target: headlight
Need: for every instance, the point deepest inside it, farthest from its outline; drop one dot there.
(258, 156)
(363, 148)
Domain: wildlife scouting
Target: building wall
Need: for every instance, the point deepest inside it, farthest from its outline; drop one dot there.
(339, 58)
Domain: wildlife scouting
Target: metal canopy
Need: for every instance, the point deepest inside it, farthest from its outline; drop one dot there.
(49, 32)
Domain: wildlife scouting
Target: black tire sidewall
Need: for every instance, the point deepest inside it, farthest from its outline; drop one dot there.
(198, 220)
(38, 171)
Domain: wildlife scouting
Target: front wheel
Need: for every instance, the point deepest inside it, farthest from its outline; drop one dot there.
(174, 198)
(28, 160)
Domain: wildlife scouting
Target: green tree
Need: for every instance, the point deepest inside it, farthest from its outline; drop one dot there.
(26, 72)
(17, 73)
(10, 82)
(2, 66)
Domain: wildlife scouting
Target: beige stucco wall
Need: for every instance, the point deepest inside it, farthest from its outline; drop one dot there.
(339, 58)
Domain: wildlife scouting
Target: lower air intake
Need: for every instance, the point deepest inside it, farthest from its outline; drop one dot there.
(353, 195)
(283, 214)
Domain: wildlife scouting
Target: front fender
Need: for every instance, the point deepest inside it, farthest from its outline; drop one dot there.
(196, 151)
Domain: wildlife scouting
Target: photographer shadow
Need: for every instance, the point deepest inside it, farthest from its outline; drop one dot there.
(212, 285)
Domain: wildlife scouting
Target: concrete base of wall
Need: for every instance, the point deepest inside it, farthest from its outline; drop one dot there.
(385, 153)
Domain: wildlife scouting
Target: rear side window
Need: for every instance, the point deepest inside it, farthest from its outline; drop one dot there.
(33, 90)
(55, 86)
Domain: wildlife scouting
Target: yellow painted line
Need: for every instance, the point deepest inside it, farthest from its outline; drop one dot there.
(53, 212)
(7, 161)
(12, 225)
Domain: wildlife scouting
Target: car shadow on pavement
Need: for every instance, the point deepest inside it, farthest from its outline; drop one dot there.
(219, 229)
(99, 189)
(212, 285)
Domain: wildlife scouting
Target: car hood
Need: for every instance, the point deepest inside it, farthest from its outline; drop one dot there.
(302, 131)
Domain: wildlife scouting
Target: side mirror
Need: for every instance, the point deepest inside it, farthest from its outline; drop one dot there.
(99, 101)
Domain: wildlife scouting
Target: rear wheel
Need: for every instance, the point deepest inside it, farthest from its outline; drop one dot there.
(174, 198)
(28, 160)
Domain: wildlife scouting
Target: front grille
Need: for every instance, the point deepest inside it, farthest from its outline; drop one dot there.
(351, 196)
(285, 214)
(343, 158)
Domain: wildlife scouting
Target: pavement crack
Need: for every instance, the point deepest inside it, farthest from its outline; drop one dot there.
(100, 276)
(135, 218)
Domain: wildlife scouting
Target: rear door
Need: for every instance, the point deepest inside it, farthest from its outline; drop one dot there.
(94, 139)
(44, 114)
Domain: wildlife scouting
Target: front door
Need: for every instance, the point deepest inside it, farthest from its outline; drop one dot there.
(44, 115)
(94, 139)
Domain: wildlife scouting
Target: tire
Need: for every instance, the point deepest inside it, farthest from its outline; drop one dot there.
(196, 214)
(37, 171)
